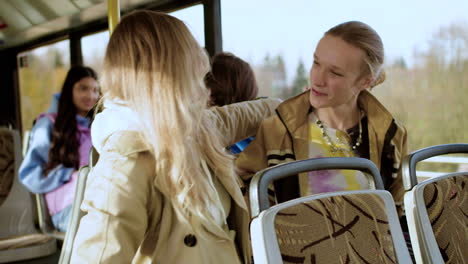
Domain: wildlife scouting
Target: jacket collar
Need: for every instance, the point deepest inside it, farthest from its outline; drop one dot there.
(294, 112)
(377, 115)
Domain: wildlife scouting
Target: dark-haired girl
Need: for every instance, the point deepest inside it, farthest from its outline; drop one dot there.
(231, 80)
(60, 144)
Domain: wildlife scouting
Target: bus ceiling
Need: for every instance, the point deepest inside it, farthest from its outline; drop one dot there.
(24, 22)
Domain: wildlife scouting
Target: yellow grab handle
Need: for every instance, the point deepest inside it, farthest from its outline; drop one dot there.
(113, 14)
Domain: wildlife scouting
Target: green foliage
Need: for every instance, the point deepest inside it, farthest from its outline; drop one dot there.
(272, 81)
(58, 63)
(430, 99)
(271, 76)
(300, 81)
(43, 76)
(400, 63)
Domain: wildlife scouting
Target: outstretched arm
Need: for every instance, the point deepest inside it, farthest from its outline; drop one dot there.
(253, 158)
(241, 120)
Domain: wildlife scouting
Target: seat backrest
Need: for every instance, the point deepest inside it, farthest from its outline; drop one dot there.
(411, 160)
(7, 164)
(17, 208)
(258, 190)
(76, 213)
(18, 234)
(26, 136)
(442, 208)
(341, 227)
(44, 218)
(45, 222)
(76, 216)
(436, 209)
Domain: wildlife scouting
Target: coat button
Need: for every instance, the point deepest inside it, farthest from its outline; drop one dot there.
(190, 240)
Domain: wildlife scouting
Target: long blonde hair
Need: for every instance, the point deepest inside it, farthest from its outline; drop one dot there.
(155, 65)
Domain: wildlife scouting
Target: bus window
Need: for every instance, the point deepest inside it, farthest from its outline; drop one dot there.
(426, 61)
(280, 42)
(94, 46)
(93, 49)
(193, 18)
(41, 74)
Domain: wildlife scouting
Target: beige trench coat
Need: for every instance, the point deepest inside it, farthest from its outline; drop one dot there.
(130, 221)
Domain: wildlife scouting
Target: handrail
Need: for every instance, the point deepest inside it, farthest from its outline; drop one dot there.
(261, 180)
(440, 159)
(456, 160)
(113, 14)
(410, 161)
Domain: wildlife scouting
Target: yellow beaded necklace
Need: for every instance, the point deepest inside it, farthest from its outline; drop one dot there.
(334, 147)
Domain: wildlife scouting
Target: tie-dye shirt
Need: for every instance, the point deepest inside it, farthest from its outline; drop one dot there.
(332, 180)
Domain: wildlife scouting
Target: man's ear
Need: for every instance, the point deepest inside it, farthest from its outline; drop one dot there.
(366, 82)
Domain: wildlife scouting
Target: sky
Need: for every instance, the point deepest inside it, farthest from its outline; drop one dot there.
(253, 28)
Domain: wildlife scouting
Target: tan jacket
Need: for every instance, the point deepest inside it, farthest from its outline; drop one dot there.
(284, 137)
(129, 220)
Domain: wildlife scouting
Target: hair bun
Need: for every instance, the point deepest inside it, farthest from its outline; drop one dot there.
(380, 79)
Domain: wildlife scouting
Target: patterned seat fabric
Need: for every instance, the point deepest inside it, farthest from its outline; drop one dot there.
(447, 206)
(7, 164)
(340, 229)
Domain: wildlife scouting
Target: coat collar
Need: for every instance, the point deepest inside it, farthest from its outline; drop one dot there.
(294, 112)
(130, 143)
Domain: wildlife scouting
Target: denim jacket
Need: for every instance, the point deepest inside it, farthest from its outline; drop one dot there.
(53, 185)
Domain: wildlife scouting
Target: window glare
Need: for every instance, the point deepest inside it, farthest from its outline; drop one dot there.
(94, 48)
(193, 18)
(41, 74)
(426, 59)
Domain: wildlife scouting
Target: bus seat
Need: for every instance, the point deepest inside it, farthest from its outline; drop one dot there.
(258, 192)
(76, 213)
(7, 165)
(436, 209)
(76, 216)
(340, 227)
(44, 218)
(351, 226)
(19, 239)
(26, 136)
